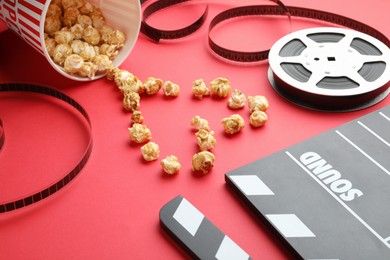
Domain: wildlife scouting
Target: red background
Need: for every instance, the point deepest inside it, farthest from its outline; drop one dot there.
(111, 211)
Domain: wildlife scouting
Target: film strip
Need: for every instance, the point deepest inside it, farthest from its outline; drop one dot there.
(2, 135)
(68, 177)
(196, 234)
(156, 34)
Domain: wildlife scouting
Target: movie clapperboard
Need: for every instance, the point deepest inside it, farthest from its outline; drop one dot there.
(327, 197)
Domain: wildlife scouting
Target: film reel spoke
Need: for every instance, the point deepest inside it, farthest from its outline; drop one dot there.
(308, 42)
(357, 78)
(345, 42)
(313, 81)
(373, 59)
(293, 60)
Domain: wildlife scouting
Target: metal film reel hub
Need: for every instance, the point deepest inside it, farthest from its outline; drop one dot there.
(330, 69)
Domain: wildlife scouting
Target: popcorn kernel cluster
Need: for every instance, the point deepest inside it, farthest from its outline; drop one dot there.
(78, 39)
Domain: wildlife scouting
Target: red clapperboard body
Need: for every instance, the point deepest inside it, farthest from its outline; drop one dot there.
(327, 197)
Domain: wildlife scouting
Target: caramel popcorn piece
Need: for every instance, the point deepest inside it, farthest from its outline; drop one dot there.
(61, 51)
(131, 101)
(220, 87)
(102, 62)
(64, 37)
(199, 89)
(91, 35)
(258, 118)
(86, 8)
(171, 89)
(54, 10)
(88, 70)
(52, 24)
(105, 33)
(200, 123)
(98, 22)
(203, 162)
(140, 133)
(96, 11)
(111, 72)
(84, 20)
(237, 100)
(257, 103)
(73, 64)
(152, 85)
(87, 52)
(77, 46)
(50, 44)
(136, 117)
(117, 38)
(170, 164)
(110, 50)
(233, 124)
(206, 140)
(70, 16)
(78, 31)
(121, 77)
(150, 151)
(127, 82)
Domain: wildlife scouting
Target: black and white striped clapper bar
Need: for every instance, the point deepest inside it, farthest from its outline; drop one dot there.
(196, 234)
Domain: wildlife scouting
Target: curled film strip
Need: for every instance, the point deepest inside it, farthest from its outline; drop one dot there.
(157, 34)
(69, 176)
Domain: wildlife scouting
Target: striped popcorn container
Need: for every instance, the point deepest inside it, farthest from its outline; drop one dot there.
(27, 19)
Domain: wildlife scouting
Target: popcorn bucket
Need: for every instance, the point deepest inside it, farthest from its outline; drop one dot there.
(27, 19)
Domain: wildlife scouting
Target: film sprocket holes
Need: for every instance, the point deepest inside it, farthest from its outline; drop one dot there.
(2, 135)
(330, 68)
(64, 179)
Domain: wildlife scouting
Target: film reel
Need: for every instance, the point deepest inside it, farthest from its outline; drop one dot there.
(330, 69)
